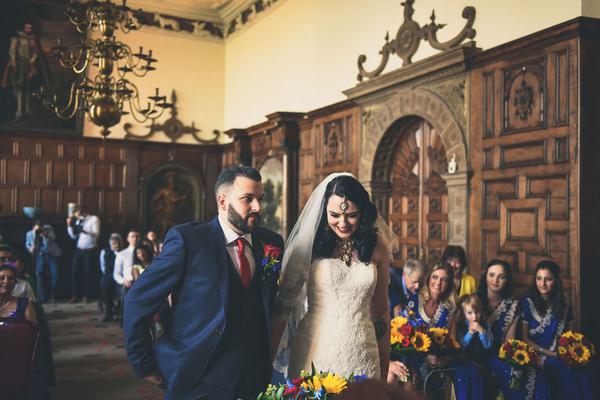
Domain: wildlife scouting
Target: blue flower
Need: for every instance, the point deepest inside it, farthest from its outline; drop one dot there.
(265, 261)
(360, 378)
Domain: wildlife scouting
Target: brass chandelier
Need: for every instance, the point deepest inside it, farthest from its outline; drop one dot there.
(109, 95)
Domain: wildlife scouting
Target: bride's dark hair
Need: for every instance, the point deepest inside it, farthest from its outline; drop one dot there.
(365, 237)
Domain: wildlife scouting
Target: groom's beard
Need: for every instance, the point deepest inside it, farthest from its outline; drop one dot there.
(241, 223)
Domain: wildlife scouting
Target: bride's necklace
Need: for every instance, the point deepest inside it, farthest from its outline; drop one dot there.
(345, 248)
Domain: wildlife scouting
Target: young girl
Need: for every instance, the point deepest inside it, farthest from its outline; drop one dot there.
(471, 331)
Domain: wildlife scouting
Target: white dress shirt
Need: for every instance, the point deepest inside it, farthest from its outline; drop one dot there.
(124, 265)
(89, 236)
(230, 239)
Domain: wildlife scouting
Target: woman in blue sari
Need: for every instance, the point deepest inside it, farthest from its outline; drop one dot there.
(433, 306)
(546, 316)
(495, 292)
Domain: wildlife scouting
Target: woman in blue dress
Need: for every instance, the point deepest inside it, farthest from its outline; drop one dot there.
(433, 306)
(495, 292)
(546, 316)
(13, 308)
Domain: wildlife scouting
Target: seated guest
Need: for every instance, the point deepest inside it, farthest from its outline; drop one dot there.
(545, 316)
(404, 283)
(11, 307)
(456, 258)
(22, 287)
(470, 329)
(495, 292)
(433, 306)
(142, 258)
(107, 268)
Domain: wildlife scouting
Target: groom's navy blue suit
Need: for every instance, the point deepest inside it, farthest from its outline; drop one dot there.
(216, 342)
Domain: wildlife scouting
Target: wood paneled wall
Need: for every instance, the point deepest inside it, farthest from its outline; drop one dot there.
(105, 177)
(329, 142)
(534, 121)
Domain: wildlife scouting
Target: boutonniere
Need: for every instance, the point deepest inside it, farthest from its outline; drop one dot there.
(271, 261)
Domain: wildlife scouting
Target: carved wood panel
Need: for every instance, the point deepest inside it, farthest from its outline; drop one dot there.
(524, 132)
(418, 210)
(329, 142)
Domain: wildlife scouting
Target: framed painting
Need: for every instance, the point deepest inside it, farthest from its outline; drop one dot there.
(272, 209)
(29, 29)
(172, 196)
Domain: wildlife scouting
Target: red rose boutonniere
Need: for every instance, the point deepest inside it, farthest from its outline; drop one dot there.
(271, 262)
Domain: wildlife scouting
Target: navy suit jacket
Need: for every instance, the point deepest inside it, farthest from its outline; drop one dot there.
(396, 290)
(193, 266)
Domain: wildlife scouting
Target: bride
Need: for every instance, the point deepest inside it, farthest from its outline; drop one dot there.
(337, 262)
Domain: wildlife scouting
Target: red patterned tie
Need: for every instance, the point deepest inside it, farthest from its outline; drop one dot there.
(245, 272)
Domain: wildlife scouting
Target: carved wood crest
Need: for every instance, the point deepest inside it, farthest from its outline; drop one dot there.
(409, 36)
(173, 128)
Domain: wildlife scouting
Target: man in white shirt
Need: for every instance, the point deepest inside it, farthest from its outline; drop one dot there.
(85, 229)
(123, 274)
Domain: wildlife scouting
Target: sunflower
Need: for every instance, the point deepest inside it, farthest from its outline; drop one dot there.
(521, 357)
(579, 353)
(439, 335)
(421, 341)
(334, 383)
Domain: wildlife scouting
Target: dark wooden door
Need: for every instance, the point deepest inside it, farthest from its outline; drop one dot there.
(418, 203)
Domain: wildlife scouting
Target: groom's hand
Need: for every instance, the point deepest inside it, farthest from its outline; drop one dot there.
(154, 378)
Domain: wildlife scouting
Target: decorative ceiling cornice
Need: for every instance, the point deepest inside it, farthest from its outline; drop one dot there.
(216, 19)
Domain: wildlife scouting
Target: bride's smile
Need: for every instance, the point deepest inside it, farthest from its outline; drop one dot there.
(343, 216)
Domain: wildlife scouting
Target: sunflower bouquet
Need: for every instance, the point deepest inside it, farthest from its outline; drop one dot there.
(408, 337)
(575, 349)
(309, 386)
(520, 355)
(442, 341)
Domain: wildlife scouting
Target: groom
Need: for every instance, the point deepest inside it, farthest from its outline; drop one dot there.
(216, 343)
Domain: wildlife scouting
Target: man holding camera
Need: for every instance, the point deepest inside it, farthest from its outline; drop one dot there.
(85, 229)
(40, 241)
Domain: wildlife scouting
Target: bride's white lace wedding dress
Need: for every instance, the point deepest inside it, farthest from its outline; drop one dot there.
(337, 333)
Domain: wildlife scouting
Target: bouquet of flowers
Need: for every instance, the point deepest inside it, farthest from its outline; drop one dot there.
(407, 336)
(520, 355)
(575, 349)
(442, 341)
(309, 386)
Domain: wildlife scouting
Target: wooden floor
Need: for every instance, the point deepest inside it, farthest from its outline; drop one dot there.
(89, 357)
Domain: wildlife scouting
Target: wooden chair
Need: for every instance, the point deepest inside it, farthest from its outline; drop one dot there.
(18, 341)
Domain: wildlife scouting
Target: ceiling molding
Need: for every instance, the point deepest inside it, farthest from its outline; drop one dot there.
(204, 19)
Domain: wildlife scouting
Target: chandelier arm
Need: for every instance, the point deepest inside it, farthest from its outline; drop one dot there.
(64, 113)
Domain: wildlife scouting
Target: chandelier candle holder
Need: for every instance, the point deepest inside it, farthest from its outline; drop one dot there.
(109, 95)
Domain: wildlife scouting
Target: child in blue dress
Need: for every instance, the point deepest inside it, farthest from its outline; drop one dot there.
(471, 331)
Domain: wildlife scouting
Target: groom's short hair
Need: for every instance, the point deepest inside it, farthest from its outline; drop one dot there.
(229, 174)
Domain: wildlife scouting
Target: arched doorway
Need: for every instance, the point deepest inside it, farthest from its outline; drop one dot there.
(411, 161)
